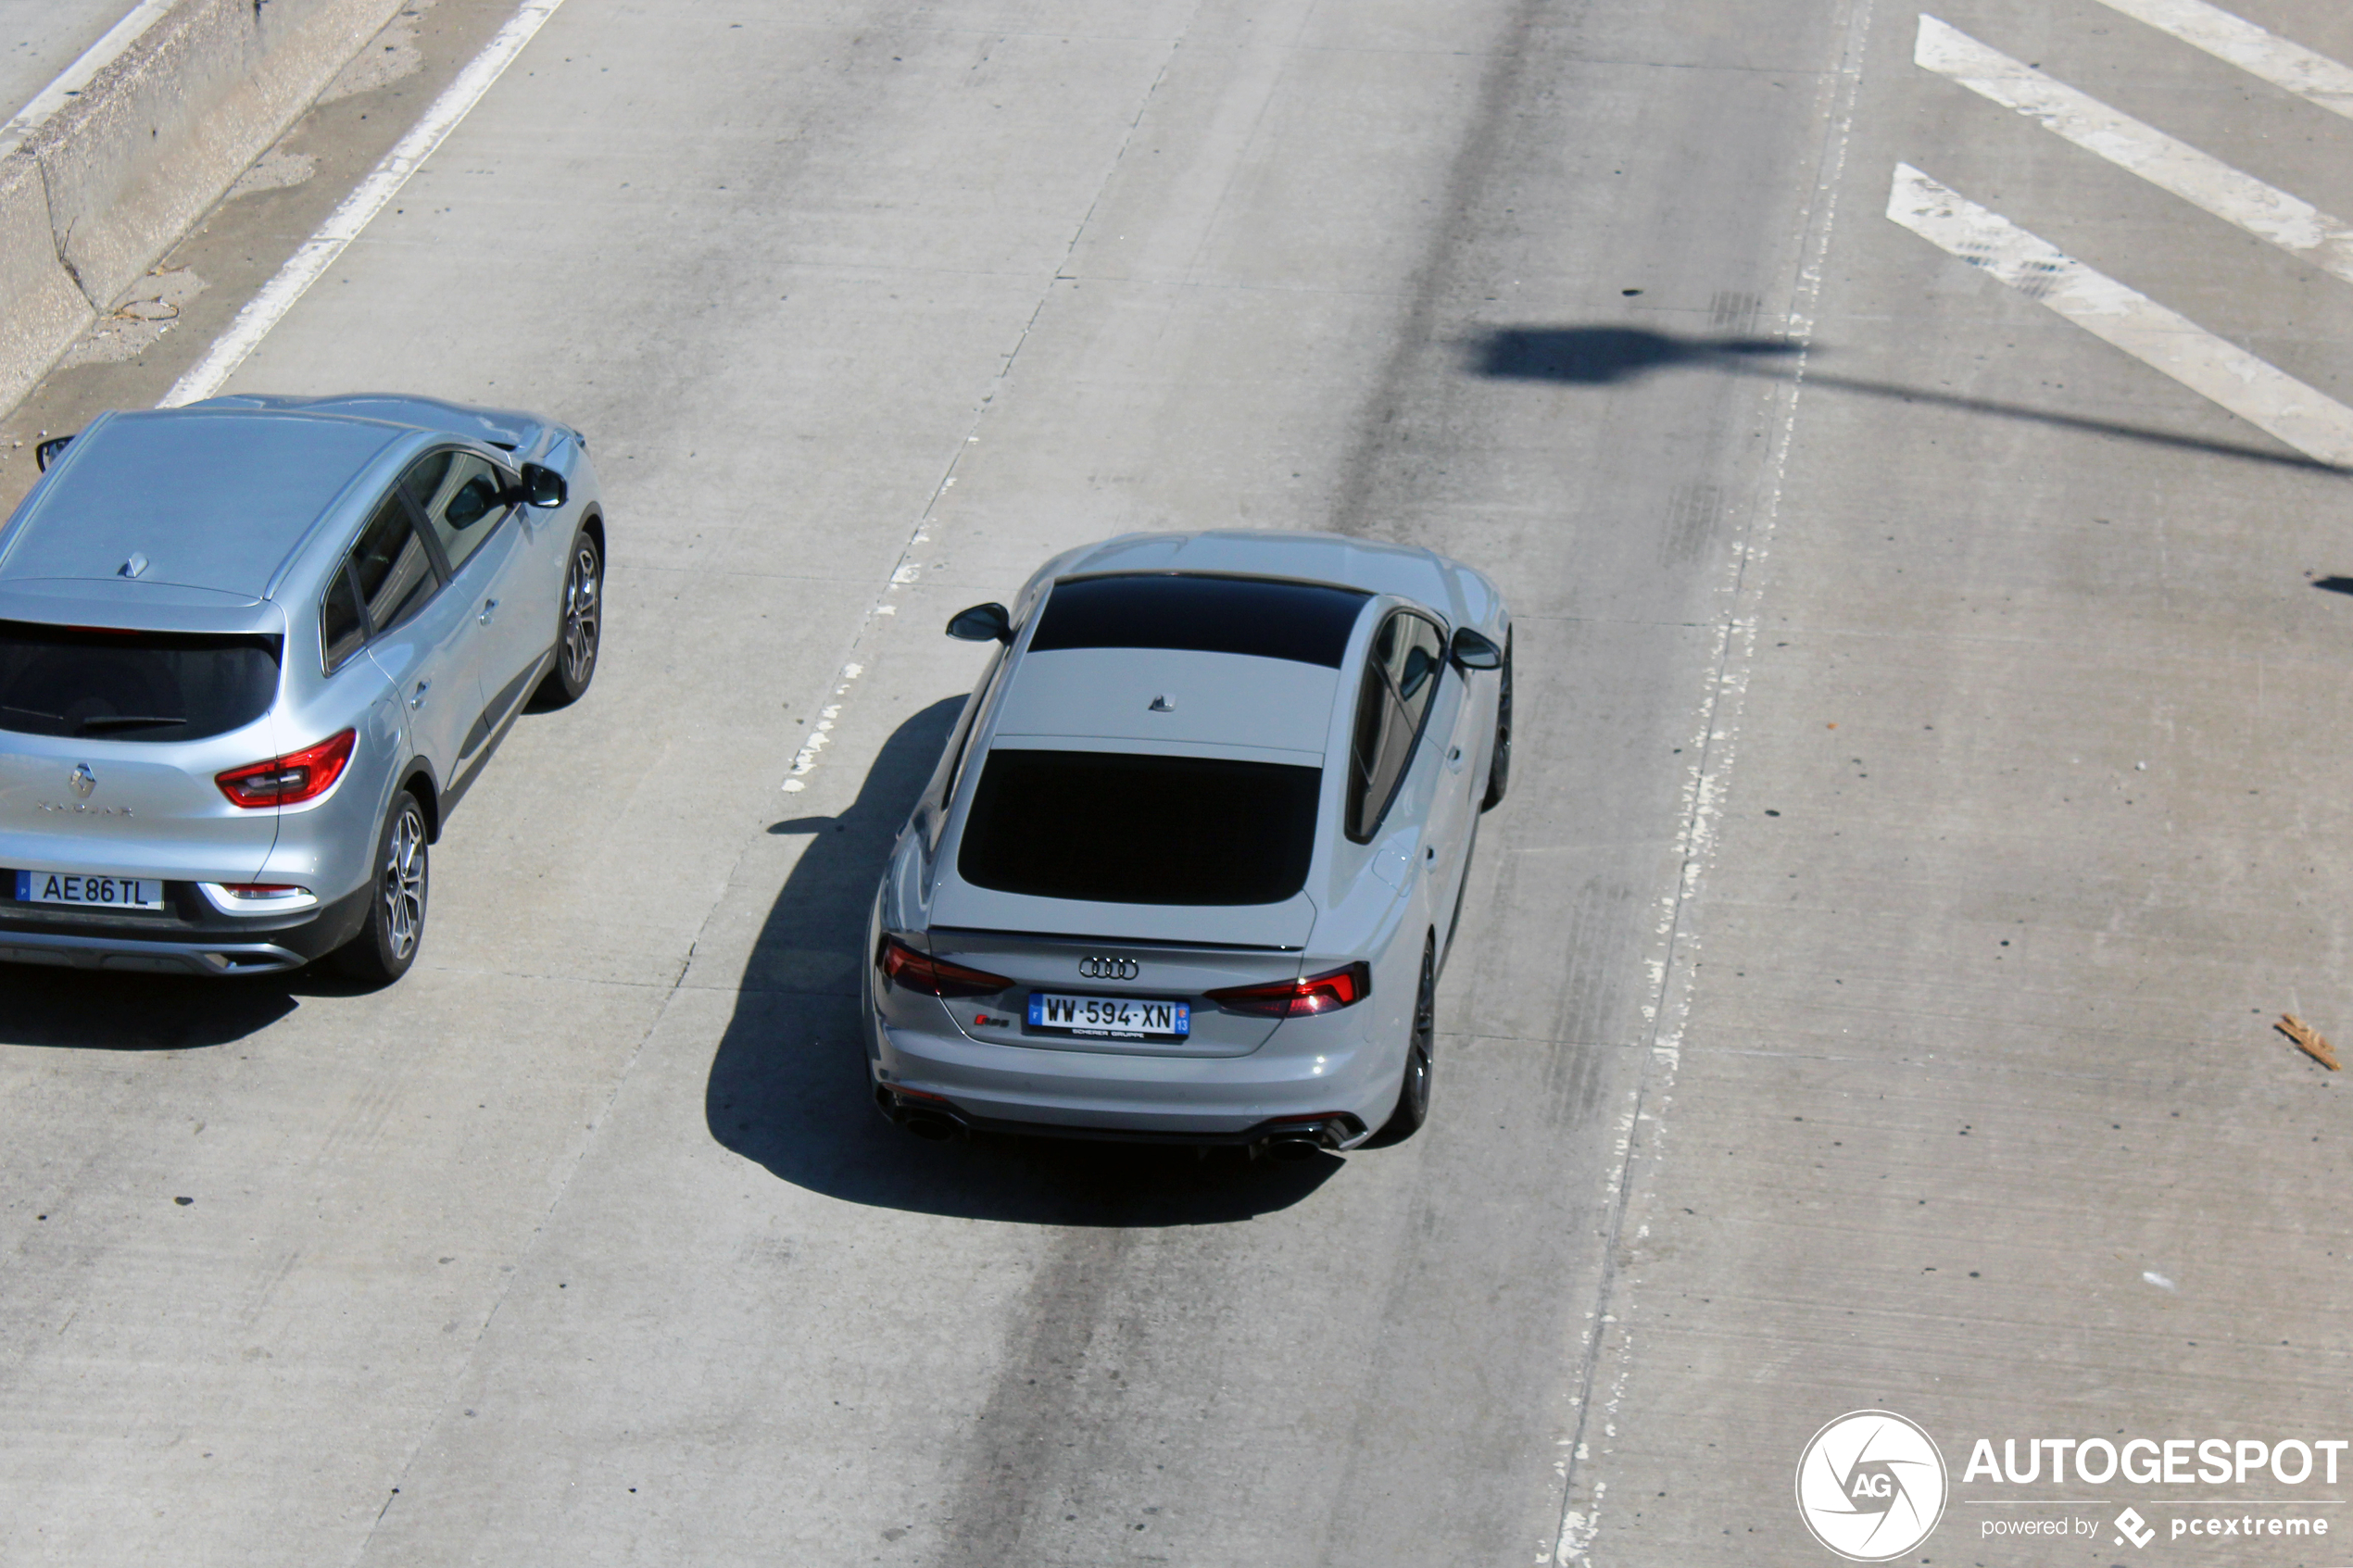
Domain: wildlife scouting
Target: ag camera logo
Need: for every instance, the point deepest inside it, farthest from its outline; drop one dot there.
(1871, 1485)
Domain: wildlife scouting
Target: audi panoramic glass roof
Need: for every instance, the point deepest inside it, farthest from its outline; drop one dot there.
(1306, 622)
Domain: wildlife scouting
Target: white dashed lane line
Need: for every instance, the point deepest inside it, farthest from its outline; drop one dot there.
(2290, 67)
(2260, 393)
(2241, 200)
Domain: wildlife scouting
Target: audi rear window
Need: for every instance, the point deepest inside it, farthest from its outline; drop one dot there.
(1116, 829)
(131, 686)
(1304, 622)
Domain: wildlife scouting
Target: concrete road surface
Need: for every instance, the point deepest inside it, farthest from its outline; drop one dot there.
(1928, 720)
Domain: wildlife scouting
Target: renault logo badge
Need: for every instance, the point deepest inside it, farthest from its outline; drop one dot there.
(83, 779)
(1093, 967)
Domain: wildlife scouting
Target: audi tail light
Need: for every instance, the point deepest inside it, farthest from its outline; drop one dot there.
(1328, 992)
(901, 965)
(289, 780)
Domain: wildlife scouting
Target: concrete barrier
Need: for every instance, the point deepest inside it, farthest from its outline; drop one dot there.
(103, 180)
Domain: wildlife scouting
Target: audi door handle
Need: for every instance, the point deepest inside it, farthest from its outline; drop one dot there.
(489, 608)
(419, 700)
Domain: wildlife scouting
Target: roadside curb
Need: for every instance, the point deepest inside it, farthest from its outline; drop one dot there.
(109, 178)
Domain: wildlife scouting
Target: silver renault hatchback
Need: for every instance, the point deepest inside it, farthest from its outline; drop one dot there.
(1194, 855)
(252, 652)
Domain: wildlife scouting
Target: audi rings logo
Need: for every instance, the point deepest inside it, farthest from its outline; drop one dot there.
(1871, 1485)
(1093, 968)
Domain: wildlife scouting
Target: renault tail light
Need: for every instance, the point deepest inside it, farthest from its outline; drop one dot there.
(289, 780)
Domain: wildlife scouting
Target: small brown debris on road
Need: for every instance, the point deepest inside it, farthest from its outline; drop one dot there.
(2308, 1039)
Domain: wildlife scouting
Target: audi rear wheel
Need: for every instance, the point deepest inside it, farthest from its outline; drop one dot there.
(1413, 1092)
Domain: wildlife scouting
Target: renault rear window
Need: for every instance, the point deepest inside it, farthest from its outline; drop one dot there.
(1305, 621)
(1118, 829)
(101, 684)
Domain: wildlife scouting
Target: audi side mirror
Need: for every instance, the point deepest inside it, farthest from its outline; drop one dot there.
(46, 453)
(543, 487)
(1475, 651)
(983, 623)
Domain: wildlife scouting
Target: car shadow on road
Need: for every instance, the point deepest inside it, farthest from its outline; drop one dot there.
(91, 1010)
(1612, 356)
(788, 1086)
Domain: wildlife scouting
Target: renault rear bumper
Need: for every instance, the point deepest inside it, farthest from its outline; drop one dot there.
(202, 942)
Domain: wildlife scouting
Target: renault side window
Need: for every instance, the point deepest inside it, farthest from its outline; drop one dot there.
(461, 499)
(391, 567)
(343, 629)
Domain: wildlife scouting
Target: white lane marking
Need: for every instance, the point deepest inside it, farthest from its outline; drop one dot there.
(2313, 423)
(1608, 1345)
(2293, 224)
(71, 81)
(266, 310)
(2290, 67)
(805, 760)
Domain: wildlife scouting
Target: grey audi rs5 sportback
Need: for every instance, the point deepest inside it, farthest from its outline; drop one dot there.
(252, 651)
(1193, 855)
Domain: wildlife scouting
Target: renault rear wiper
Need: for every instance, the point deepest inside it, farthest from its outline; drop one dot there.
(121, 722)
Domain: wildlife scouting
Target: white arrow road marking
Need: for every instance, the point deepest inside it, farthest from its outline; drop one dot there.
(2272, 401)
(2290, 67)
(2293, 224)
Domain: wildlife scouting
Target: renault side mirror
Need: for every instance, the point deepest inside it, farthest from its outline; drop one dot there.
(46, 453)
(982, 623)
(543, 487)
(1475, 651)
